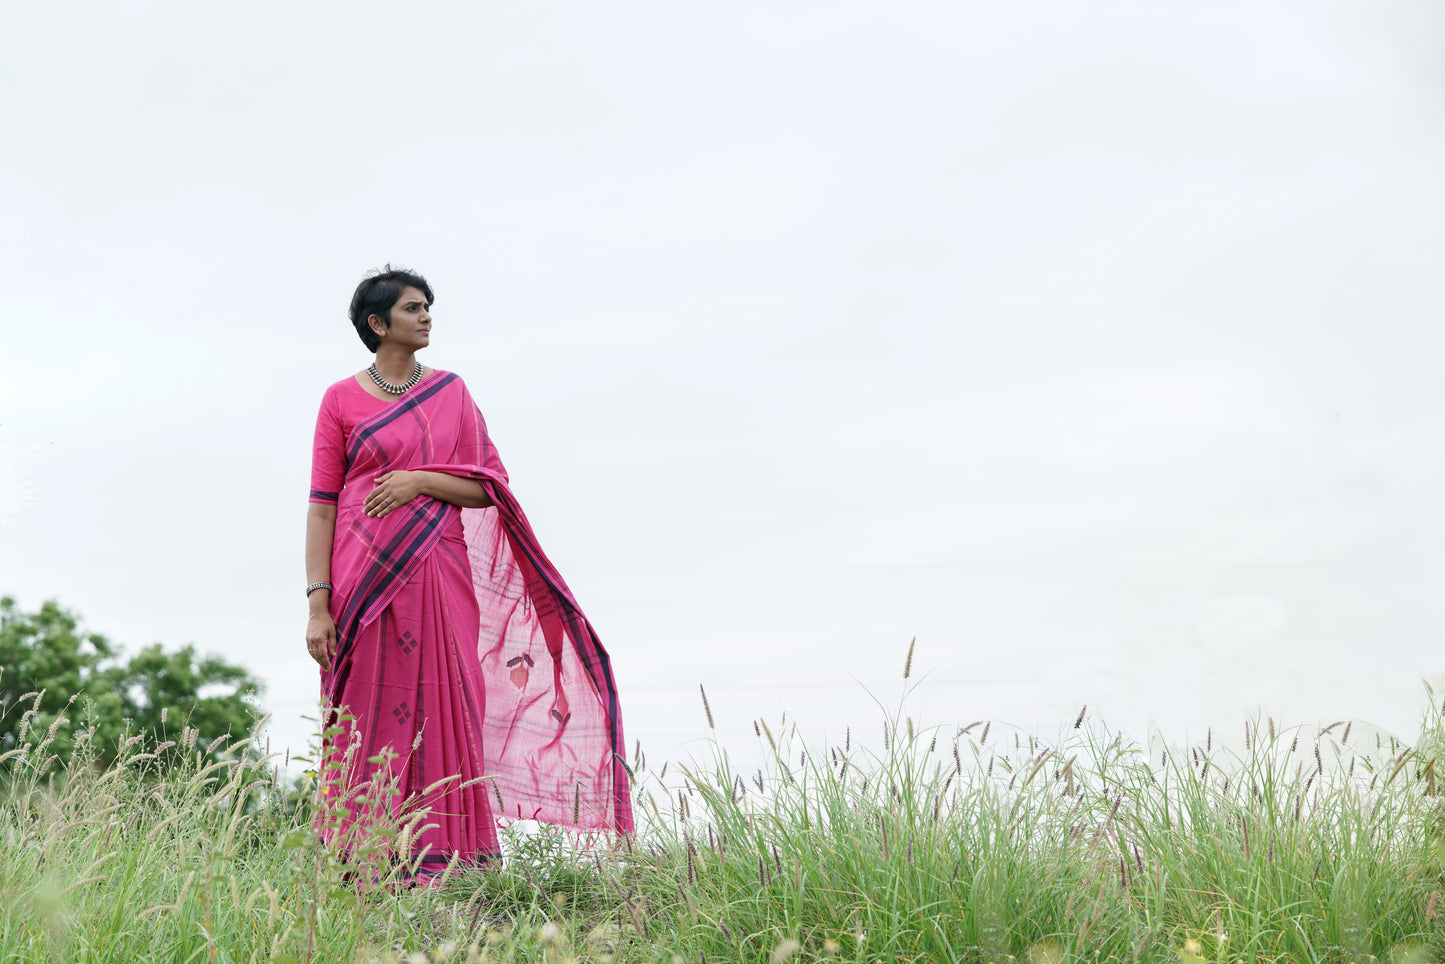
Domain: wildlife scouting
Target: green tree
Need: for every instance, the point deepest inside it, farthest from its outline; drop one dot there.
(49, 665)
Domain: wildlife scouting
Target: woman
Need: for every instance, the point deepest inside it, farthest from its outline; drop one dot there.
(450, 647)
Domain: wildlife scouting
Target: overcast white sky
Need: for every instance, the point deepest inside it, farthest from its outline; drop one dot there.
(1096, 344)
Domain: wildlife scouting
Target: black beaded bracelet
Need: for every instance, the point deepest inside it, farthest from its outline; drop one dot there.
(315, 586)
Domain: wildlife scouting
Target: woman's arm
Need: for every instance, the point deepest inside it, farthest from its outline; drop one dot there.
(320, 628)
(396, 489)
(467, 493)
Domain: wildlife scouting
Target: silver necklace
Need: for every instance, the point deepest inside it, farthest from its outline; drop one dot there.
(387, 386)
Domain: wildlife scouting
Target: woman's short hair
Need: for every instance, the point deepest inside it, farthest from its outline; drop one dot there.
(378, 292)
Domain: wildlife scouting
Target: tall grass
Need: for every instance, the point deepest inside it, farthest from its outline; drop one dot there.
(964, 843)
(210, 859)
(934, 843)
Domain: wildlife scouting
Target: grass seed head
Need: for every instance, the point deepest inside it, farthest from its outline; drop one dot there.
(1046, 953)
(785, 951)
(706, 707)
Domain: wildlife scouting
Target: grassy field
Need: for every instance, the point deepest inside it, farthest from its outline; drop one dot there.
(954, 842)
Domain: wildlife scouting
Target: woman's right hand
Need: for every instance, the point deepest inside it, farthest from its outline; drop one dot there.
(321, 638)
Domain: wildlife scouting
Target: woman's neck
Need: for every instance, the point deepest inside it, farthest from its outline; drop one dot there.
(396, 365)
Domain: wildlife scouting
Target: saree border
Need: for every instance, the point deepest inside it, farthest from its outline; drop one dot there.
(411, 400)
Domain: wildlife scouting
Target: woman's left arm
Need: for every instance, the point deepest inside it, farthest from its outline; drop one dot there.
(396, 489)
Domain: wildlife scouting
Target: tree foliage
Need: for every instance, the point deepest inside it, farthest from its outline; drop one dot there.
(49, 665)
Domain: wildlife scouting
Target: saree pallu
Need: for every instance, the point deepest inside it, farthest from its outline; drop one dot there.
(467, 679)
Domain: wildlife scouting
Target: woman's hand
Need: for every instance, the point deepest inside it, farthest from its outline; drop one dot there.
(321, 637)
(393, 490)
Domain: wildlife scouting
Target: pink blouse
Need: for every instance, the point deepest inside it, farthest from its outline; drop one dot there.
(344, 406)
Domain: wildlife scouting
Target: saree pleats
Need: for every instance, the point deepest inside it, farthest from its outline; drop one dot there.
(412, 702)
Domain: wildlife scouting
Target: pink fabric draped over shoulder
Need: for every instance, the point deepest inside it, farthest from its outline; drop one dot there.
(460, 646)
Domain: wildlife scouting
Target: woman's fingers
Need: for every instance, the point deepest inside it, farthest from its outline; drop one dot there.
(382, 500)
(321, 643)
(392, 489)
(375, 497)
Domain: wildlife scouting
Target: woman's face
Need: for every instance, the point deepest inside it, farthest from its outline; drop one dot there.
(410, 321)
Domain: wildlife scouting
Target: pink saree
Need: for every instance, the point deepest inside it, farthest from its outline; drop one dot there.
(466, 672)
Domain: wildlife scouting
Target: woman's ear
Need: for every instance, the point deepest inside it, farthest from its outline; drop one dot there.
(378, 325)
